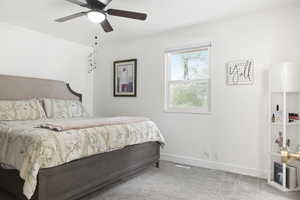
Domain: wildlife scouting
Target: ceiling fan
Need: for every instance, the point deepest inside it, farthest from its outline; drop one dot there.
(98, 15)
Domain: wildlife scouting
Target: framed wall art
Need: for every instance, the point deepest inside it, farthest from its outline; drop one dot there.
(125, 75)
(240, 72)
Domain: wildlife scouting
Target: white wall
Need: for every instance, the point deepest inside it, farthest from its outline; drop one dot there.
(28, 53)
(234, 136)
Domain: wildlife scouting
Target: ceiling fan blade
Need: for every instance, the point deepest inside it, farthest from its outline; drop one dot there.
(97, 4)
(70, 17)
(106, 2)
(77, 2)
(106, 26)
(127, 14)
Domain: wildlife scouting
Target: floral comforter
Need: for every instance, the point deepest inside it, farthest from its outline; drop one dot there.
(28, 149)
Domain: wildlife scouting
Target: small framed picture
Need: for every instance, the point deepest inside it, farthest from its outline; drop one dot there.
(125, 75)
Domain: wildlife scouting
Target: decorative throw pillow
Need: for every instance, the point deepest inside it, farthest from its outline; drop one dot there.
(59, 109)
(21, 110)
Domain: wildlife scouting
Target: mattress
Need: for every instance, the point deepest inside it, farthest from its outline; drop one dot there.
(27, 148)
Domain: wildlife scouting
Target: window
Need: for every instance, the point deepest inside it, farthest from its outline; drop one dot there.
(187, 80)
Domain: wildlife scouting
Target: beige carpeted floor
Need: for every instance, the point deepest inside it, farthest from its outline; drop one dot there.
(173, 183)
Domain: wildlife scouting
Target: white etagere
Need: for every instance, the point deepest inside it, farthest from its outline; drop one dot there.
(284, 90)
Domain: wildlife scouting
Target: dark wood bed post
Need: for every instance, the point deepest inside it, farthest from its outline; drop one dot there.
(74, 93)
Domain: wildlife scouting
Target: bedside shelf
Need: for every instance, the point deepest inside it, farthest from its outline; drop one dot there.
(284, 98)
(280, 187)
(287, 92)
(276, 185)
(288, 124)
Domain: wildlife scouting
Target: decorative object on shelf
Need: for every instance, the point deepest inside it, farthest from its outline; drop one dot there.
(278, 173)
(291, 175)
(286, 156)
(279, 141)
(293, 117)
(125, 75)
(273, 118)
(240, 72)
(288, 144)
(277, 115)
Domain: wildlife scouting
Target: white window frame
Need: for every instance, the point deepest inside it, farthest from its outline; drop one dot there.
(167, 81)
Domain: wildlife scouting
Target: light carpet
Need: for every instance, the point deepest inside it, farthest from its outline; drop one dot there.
(173, 183)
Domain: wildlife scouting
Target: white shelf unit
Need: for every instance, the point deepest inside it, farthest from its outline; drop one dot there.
(284, 90)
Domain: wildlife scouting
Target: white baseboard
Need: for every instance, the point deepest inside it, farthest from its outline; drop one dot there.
(213, 165)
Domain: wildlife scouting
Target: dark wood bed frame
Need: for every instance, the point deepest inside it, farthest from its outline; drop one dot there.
(79, 178)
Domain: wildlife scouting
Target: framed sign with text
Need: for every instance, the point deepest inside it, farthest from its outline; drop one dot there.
(240, 72)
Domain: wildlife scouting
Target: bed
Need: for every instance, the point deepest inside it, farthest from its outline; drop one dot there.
(79, 177)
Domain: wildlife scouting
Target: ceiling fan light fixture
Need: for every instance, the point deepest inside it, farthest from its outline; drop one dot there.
(96, 17)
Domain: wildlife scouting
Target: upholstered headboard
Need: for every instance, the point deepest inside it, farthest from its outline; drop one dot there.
(18, 88)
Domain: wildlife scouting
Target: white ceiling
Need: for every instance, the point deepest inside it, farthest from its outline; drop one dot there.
(163, 15)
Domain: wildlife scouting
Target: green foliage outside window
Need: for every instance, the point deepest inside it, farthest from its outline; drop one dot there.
(189, 95)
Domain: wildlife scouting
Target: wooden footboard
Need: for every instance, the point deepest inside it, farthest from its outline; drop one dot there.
(79, 178)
